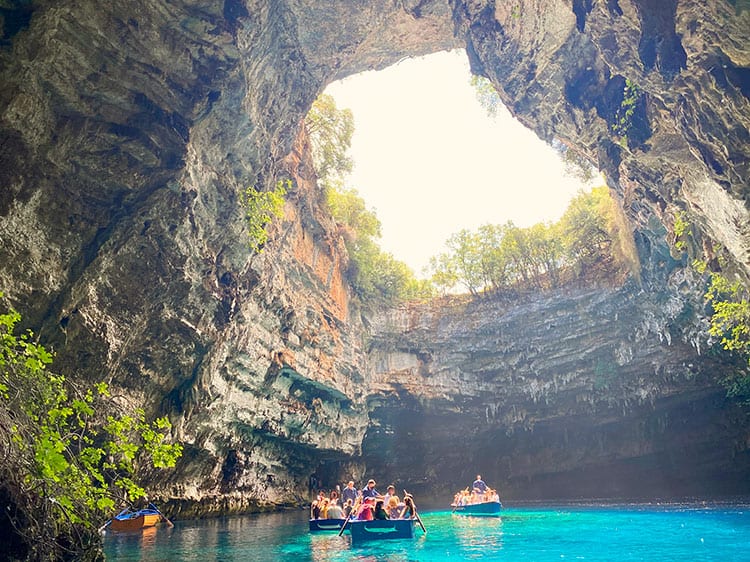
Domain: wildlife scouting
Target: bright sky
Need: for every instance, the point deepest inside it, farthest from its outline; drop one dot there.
(430, 161)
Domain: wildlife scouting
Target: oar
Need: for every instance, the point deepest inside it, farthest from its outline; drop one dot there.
(352, 514)
(416, 515)
(346, 522)
(169, 523)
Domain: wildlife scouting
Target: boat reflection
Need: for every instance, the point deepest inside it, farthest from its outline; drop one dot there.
(478, 534)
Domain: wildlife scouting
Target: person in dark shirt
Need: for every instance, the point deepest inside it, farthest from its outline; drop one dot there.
(479, 485)
(349, 493)
(369, 491)
(380, 512)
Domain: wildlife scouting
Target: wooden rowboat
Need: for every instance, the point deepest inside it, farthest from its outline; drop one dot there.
(380, 529)
(129, 520)
(326, 524)
(491, 509)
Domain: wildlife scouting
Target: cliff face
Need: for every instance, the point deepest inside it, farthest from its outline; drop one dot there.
(593, 393)
(128, 129)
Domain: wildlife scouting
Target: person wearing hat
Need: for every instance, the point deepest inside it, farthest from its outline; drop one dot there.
(369, 491)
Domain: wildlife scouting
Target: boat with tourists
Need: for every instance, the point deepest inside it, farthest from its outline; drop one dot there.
(379, 529)
(482, 501)
(136, 519)
(491, 508)
(326, 524)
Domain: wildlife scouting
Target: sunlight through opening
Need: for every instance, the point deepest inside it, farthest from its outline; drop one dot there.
(430, 161)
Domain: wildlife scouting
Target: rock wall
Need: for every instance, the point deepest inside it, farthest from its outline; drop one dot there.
(129, 128)
(581, 393)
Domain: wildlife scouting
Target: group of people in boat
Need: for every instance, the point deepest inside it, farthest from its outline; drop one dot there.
(479, 493)
(365, 504)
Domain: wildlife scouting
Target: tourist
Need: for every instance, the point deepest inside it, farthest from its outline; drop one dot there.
(348, 507)
(393, 509)
(349, 493)
(380, 512)
(391, 491)
(479, 486)
(369, 491)
(409, 509)
(366, 511)
(334, 511)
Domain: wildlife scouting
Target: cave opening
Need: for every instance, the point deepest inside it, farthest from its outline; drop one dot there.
(431, 159)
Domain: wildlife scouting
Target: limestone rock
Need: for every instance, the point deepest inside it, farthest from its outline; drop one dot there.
(129, 127)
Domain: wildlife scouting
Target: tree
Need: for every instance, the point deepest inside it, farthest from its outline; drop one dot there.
(730, 322)
(375, 276)
(330, 131)
(260, 209)
(486, 95)
(69, 456)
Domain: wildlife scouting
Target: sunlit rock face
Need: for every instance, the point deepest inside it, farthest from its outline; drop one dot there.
(129, 128)
(580, 393)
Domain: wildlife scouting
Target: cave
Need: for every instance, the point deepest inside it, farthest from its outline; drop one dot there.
(130, 128)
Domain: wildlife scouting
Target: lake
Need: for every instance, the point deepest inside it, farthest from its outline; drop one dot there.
(668, 532)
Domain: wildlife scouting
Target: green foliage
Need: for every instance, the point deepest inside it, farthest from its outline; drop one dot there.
(261, 207)
(330, 132)
(730, 323)
(349, 209)
(584, 244)
(576, 164)
(731, 313)
(486, 94)
(66, 466)
(624, 116)
(375, 276)
(681, 230)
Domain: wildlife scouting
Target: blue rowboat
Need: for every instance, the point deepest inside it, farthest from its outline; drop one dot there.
(491, 509)
(326, 524)
(380, 529)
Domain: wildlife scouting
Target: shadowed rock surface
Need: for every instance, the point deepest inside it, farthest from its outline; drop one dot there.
(128, 129)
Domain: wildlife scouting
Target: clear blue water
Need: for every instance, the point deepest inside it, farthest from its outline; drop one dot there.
(599, 533)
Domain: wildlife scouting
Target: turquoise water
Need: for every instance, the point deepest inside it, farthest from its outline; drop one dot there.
(634, 532)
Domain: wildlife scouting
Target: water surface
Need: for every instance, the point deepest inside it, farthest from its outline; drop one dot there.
(689, 532)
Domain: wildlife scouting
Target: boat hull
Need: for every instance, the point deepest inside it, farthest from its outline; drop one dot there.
(381, 529)
(326, 524)
(135, 521)
(484, 509)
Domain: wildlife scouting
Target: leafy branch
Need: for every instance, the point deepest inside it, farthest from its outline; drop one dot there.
(261, 207)
(67, 463)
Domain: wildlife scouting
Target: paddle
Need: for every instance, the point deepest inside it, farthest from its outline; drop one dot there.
(352, 514)
(416, 515)
(346, 522)
(156, 509)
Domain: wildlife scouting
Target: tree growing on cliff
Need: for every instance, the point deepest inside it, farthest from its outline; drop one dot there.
(587, 243)
(69, 457)
(260, 208)
(730, 323)
(375, 276)
(330, 131)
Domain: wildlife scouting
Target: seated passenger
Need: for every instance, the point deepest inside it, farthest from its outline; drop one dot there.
(380, 512)
(366, 511)
(334, 511)
(315, 510)
(393, 510)
(348, 508)
(408, 510)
